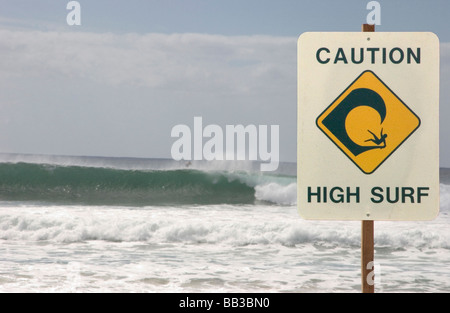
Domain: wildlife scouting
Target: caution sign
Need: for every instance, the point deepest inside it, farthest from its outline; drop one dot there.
(368, 131)
(368, 122)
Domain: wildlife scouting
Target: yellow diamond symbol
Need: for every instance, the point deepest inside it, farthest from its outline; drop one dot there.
(368, 122)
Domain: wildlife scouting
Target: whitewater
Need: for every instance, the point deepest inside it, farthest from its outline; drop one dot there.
(83, 224)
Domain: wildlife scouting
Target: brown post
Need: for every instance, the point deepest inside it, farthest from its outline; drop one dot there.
(367, 234)
(368, 28)
(367, 257)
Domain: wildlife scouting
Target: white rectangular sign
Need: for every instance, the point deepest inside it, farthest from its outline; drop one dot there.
(368, 126)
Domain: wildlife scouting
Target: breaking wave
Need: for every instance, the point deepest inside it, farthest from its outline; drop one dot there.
(139, 187)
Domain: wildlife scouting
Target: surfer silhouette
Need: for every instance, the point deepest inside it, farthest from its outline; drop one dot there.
(378, 141)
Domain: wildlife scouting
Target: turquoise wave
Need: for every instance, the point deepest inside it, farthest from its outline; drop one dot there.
(109, 186)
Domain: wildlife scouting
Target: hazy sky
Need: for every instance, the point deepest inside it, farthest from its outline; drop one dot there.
(117, 84)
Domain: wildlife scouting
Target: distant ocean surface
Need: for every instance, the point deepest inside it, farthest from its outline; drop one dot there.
(92, 224)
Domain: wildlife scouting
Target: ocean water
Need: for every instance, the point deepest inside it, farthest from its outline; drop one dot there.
(83, 224)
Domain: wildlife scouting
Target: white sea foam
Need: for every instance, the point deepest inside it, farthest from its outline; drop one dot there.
(230, 225)
(280, 194)
(220, 248)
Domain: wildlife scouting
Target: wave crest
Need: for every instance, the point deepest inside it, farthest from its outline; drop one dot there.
(280, 194)
(110, 186)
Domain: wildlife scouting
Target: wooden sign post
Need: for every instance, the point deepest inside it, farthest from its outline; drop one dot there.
(367, 256)
(367, 234)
